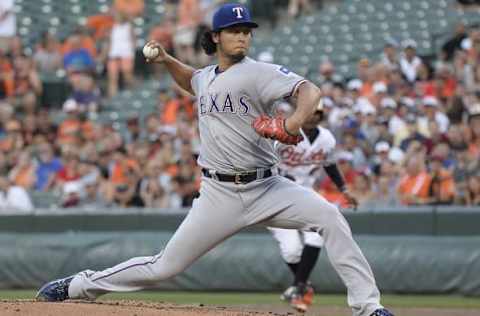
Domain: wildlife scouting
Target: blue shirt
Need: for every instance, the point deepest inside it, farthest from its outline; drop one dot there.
(44, 170)
(79, 60)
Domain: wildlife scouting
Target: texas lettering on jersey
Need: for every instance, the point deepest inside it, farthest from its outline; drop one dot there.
(214, 103)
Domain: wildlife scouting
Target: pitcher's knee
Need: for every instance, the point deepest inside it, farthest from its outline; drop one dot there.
(164, 269)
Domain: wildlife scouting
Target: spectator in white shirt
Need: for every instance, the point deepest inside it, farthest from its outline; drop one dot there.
(410, 62)
(13, 198)
(8, 23)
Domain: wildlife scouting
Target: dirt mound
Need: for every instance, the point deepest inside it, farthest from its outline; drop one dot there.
(139, 308)
(116, 308)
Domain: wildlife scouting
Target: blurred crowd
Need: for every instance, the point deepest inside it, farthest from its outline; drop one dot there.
(408, 130)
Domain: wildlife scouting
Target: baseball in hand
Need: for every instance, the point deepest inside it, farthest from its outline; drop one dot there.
(150, 52)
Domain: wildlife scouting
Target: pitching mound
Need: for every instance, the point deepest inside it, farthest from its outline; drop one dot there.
(115, 308)
(138, 308)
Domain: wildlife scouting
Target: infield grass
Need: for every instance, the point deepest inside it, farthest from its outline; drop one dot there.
(248, 298)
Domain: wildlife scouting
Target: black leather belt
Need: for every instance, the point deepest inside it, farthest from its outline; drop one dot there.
(238, 178)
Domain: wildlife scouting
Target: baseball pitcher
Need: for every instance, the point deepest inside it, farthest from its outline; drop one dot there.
(240, 185)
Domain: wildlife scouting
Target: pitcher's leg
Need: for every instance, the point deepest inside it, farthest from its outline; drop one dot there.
(309, 211)
(204, 227)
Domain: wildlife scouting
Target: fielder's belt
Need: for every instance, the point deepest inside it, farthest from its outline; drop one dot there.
(239, 177)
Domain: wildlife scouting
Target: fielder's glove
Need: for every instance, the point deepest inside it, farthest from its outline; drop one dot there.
(274, 128)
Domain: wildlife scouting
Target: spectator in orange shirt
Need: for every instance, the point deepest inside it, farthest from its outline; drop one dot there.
(174, 106)
(6, 77)
(100, 25)
(69, 131)
(23, 173)
(442, 188)
(414, 187)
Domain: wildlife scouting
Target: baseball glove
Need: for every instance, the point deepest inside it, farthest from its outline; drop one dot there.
(274, 128)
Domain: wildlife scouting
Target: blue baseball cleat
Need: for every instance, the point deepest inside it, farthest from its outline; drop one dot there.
(382, 312)
(54, 291)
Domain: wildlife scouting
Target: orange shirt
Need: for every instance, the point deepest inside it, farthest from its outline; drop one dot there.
(445, 186)
(69, 131)
(169, 115)
(101, 24)
(8, 83)
(334, 197)
(418, 186)
(24, 177)
(118, 175)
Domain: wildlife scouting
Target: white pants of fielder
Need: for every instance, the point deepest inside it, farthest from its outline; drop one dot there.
(222, 210)
(291, 242)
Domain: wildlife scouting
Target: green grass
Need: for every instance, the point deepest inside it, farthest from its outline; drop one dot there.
(234, 298)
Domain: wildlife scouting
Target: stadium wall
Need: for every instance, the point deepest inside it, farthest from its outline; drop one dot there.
(249, 261)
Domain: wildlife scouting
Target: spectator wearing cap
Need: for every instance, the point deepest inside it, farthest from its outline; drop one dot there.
(379, 89)
(414, 186)
(388, 107)
(382, 149)
(352, 146)
(410, 63)
(431, 109)
(368, 128)
(413, 133)
(69, 130)
(389, 57)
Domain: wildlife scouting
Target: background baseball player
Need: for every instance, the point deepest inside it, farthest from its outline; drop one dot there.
(303, 163)
(240, 186)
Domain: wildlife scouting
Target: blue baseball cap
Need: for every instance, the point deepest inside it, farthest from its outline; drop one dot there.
(231, 14)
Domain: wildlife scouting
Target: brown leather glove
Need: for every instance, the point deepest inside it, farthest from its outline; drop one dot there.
(274, 128)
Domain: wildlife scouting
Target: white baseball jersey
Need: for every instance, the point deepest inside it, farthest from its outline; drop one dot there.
(304, 159)
(228, 102)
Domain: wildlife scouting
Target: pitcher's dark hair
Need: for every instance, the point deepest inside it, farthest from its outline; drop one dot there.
(208, 44)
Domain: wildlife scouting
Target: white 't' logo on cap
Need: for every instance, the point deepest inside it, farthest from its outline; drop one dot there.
(239, 11)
